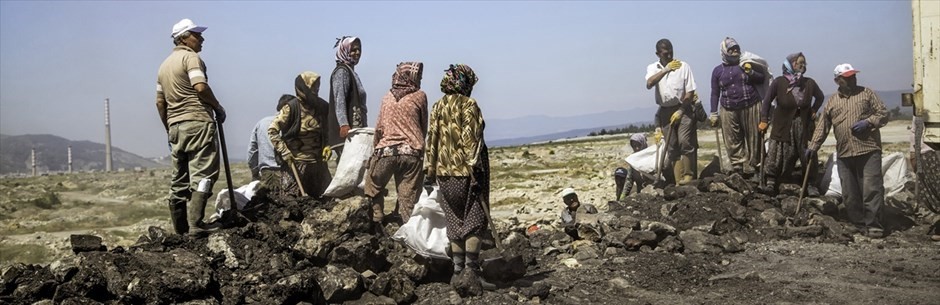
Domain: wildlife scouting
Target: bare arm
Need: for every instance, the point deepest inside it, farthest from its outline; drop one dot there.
(206, 96)
(653, 80)
(161, 110)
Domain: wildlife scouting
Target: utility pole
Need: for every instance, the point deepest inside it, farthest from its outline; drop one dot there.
(32, 159)
(70, 159)
(107, 135)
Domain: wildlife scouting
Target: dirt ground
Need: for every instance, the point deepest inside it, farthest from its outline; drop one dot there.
(711, 245)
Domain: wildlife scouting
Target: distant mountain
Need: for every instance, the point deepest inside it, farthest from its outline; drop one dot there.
(515, 129)
(52, 155)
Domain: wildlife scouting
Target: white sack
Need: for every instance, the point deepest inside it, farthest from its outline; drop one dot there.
(243, 194)
(893, 169)
(645, 160)
(352, 164)
(426, 230)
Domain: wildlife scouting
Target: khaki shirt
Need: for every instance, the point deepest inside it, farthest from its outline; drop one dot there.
(176, 80)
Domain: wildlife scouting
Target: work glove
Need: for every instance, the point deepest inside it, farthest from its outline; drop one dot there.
(220, 115)
(658, 135)
(714, 119)
(762, 126)
(327, 153)
(860, 126)
(675, 117)
(674, 65)
(747, 68)
(343, 131)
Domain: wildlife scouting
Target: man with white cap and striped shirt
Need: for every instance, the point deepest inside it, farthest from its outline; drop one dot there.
(855, 114)
(186, 106)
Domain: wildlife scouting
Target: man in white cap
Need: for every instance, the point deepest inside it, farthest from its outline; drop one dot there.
(856, 114)
(186, 105)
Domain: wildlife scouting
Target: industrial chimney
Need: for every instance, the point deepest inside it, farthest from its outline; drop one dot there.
(107, 135)
(32, 158)
(70, 159)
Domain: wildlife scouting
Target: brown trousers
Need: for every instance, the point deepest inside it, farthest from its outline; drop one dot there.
(408, 174)
(314, 176)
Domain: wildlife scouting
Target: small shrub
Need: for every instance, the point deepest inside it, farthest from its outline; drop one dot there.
(48, 200)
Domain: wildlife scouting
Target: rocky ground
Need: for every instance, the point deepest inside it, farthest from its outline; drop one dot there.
(717, 242)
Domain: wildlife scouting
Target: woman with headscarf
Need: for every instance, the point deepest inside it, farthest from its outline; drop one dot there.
(399, 143)
(457, 158)
(347, 96)
(734, 87)
(299, 137)
(798, 99)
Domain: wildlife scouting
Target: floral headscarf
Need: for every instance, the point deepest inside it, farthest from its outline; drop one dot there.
(792, 75)
(343, 47)
(407, 78)
(726, 57)
(458, 79)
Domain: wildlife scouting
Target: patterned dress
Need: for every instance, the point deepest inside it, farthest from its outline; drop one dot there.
(457, 155)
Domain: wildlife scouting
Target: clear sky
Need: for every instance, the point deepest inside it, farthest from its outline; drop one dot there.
(59, 60)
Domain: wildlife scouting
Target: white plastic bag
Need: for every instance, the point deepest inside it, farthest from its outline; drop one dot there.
(352, 164)
(426, 230)
(243, 194)
(645, 160)
(893, 170)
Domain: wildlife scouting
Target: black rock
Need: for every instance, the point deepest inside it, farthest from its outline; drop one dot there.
(86, 243)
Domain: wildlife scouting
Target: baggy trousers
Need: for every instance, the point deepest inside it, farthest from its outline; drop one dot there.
(739, 131)
(863, 190)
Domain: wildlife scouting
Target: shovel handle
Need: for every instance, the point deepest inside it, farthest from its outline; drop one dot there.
(297, 178)
(802, 190)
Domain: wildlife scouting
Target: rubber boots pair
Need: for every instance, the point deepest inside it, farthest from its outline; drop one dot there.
(683, 171)
(197, 211)
(178, 216)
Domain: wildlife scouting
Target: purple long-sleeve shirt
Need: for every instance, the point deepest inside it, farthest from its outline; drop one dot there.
(733, 88)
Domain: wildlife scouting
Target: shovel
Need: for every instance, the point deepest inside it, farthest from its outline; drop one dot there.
(763, 158)
(300, 186)
(228, 173)
(662, 159)
(802, 190)
(721, 165)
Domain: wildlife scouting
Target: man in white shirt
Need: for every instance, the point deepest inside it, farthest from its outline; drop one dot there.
(675, 88)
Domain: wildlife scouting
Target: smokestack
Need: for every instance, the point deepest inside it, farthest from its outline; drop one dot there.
(107, 135)
(70, 159)
(32, 159)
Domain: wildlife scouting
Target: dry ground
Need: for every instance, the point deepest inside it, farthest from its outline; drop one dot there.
(38, 214)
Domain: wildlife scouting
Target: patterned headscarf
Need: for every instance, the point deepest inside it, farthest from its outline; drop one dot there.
(343, 47)
(640, 139)
(407, 78)
(307, 86)
(792, 75)
(726, 57)
(458, 79)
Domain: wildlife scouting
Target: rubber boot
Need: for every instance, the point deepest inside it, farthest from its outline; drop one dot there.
(473, 263)
(178, 216)
(197, 210)
(683, 171)
(459, 261)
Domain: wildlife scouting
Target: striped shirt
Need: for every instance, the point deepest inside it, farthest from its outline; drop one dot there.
(454, 135)
(841, 112)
